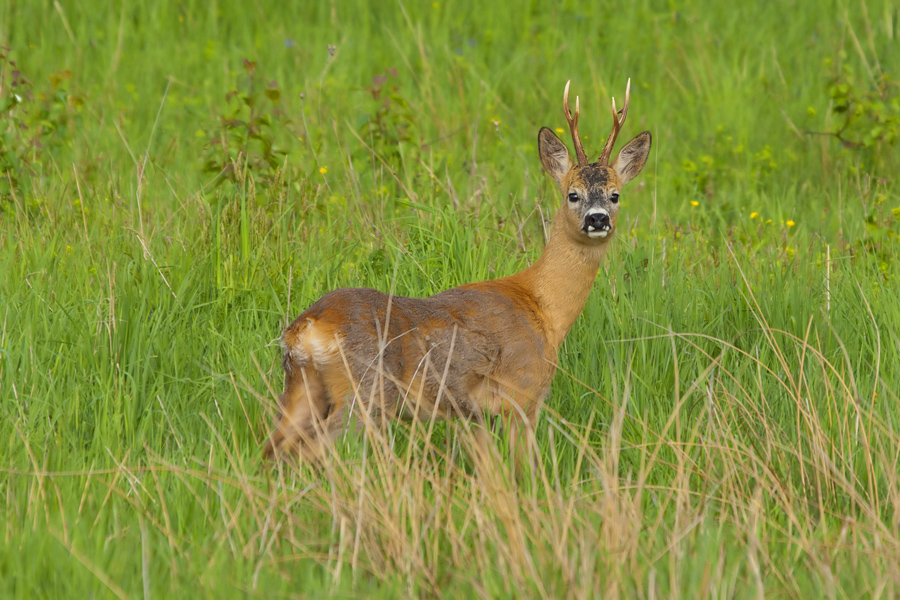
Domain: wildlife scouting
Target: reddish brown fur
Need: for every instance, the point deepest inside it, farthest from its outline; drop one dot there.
(391, 356)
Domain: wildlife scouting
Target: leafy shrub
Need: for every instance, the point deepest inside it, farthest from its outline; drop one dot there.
(31, 125)
(869, 113)
(389, 121)
(17, 142)
(245, 139)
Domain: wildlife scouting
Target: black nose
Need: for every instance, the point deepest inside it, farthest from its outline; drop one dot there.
(596, 221)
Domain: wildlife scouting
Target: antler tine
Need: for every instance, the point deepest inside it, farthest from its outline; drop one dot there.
(573, 126)
(617, 125)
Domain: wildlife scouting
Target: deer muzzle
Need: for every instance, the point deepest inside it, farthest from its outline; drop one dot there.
(597, 224)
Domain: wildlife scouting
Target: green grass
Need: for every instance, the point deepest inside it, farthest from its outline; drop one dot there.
(725, 420)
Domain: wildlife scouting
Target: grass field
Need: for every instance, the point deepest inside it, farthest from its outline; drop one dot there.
(182, 178)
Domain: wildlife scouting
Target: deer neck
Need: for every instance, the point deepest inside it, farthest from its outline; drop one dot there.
(561, 280)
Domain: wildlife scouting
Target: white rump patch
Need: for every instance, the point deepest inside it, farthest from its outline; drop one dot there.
(322, 349)
(310, 344)
(296, 353)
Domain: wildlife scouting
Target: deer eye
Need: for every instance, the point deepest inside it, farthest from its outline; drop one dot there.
(573, 197)
(614, 198)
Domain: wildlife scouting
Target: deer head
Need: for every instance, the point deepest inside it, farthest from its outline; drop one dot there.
(591, 189)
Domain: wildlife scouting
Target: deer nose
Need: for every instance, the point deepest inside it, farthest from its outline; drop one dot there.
(596, 222)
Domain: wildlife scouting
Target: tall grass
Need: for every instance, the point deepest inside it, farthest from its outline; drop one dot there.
(724, 421)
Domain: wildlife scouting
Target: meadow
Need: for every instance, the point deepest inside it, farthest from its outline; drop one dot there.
(180, 179)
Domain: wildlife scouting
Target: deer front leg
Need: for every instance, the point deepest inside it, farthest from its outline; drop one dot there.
(514, 413)
(520, 436)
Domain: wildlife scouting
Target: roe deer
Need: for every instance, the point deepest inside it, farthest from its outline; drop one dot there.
(487, 347)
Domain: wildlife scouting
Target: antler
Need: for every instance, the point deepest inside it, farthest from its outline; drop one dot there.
(617, 125)
(573, 126)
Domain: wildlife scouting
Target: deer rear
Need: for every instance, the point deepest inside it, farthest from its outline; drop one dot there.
(481, 348)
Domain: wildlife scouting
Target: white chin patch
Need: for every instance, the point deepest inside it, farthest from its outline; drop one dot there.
(598, 233)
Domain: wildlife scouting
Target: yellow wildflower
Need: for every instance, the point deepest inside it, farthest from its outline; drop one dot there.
(323, 170)
(790, 223)
(754, 214)
(694, 203)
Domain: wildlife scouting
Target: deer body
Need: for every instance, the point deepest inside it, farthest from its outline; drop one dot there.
(487, 347)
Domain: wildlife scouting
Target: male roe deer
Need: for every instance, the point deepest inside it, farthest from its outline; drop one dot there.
(487, 347)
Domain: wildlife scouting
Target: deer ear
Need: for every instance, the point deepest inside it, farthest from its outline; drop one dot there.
(632, 157)
(554, 154)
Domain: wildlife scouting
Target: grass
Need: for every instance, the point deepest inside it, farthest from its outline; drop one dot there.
(724, 422)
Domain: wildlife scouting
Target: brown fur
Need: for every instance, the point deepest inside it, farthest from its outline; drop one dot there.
(487, 347)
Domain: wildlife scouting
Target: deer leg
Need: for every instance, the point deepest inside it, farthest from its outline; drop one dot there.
(520, 436)
(478, 440)
(317, 446)
(352, 414)
(304, 404)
